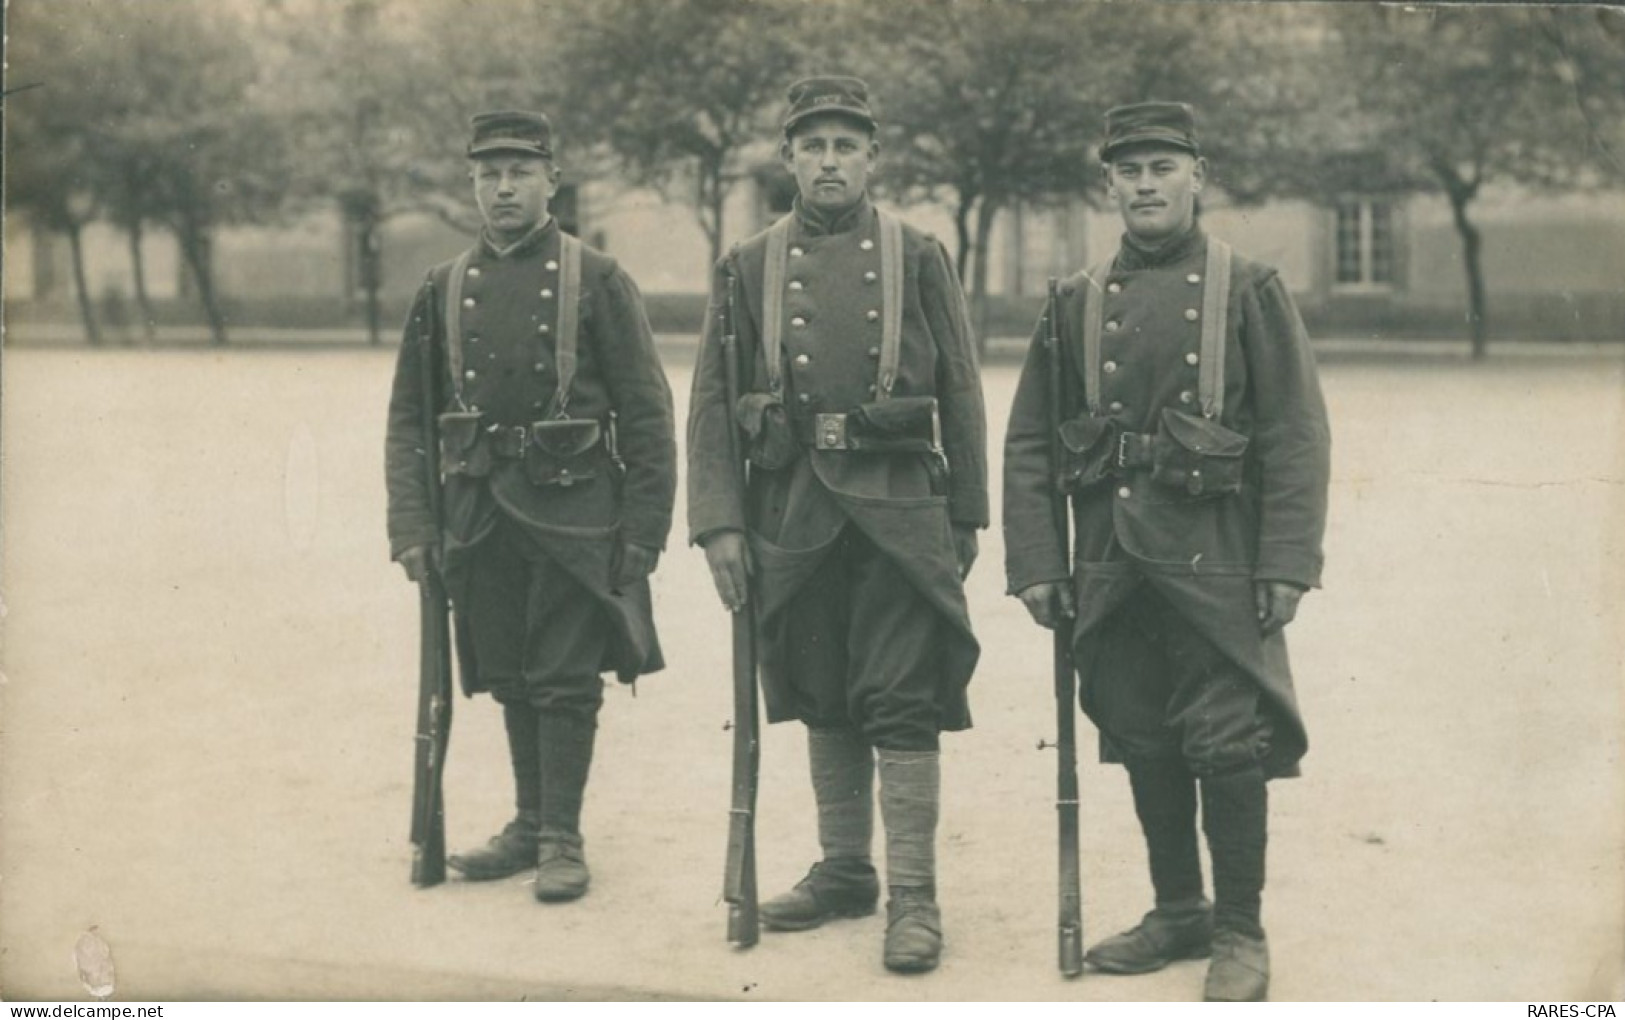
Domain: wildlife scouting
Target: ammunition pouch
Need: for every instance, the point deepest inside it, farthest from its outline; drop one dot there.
(771, 444)
(898, 425)
(463, 446)
(562, 451)
(1197, 455)
(1088, 453)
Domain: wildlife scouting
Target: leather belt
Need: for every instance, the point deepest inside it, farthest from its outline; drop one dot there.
(821, 431)
(1133, 450)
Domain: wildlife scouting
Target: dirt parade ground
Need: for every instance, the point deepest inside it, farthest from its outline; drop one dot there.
(210, 679)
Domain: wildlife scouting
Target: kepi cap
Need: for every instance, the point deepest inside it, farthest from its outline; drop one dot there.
(837, 94)
(1142, 123)
(519, 132)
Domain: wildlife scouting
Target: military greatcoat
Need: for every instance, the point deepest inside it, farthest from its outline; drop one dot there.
(832, 330)
(508, 324)
(1200, 551)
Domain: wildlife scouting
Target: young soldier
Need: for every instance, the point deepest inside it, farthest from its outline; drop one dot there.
(559, 466)
(863, 413)
(1196, 457)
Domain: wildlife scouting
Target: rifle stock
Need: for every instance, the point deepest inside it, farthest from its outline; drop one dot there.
(1070, 927)
(739, 878)
(434, 652)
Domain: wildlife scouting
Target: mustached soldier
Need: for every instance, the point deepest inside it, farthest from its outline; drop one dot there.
(863, 407)
(559, 464)
(1196, 456)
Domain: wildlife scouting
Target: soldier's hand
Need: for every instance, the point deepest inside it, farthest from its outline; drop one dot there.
(633, 563)
(965, 548)
(1049, 602)
(417, 561)
(728, 555)
(1277, 603)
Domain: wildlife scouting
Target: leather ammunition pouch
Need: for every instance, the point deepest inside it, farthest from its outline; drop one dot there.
(562, 451)
(771, 445)
(1197, 455)
(1087, 453)
(897, 425)
(464, 449)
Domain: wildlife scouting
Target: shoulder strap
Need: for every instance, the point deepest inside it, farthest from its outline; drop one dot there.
(1215, 313)
(1093, 319)
(778, 255)
(454, 323)
(569, 324)
(891, 302)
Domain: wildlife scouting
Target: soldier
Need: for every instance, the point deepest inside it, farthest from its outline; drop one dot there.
(1196, 455)
(863, 414)
(559, 464)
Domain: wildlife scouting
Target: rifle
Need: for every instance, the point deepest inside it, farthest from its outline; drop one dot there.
(739, 878)
(434, 651)
(1066, 749)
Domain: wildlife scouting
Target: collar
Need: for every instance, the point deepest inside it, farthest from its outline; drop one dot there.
(816, 222)
(524, 246)
(1137, 255)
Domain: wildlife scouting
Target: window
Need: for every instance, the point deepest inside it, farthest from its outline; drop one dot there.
(1365, 244)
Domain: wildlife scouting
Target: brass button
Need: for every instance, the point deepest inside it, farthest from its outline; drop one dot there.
(1109, 367)
(871, 389)
(1115, 406)
(1112, 325)
(1192, 358)
(803, 361)
(544, 329)
(473, 339)
(1114, 287)
(547, 293)
(866, 244)
(874, 352)
(796, 252)
(796, 285)
(798, 321)
(1194, 278)
(474, 271)
(474, 407)
(1191, 315)
(470, 375)
(468, 302)
(872, 315)
(541, 366)
(870, 276)
(1186, 396)
(552, 266)
(803, 397)
(1124, 492)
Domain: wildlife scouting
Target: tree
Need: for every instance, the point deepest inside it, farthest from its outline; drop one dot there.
(1448, 100)
(679, 90)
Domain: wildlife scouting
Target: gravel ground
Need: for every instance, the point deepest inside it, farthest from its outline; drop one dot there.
(209, 680)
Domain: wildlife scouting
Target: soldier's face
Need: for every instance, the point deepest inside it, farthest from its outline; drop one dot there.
(513, 192)
(831, 158)
(1155, 189)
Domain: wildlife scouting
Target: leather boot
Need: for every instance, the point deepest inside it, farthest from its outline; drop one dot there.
(512, 850)
(913, 930)
(841, 887)
(1235, 817)
(910, 797)
(561, 867)
(1168, 933)
(565, 742)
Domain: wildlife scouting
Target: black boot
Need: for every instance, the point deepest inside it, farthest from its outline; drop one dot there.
(1235, 817)
(512, 850)
(565, 744)
(1181, 926)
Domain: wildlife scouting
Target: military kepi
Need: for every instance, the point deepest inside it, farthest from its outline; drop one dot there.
(1150, 123)
(836, 94)
(515, 132)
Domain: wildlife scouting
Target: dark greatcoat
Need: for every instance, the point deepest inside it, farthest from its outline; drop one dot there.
(830, 365)
(508, 321)
(1201, 554)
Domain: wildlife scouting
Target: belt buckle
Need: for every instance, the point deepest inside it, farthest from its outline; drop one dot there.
(829, 431)
(1122, 450)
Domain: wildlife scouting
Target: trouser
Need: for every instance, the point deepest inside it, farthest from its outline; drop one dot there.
(864, 649)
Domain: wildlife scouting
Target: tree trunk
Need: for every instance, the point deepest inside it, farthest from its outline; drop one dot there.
(986, 213)
(710, 208)
(372, 277)
(86, 314)
(962, 231)
(138, 272)
(1471, 248)
(195, 249)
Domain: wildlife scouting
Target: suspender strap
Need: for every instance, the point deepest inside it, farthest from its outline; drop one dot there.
(569, 325)
(454, 324)
(1093, 319)
(778, 249)
(891, 303)
(1215, 312)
